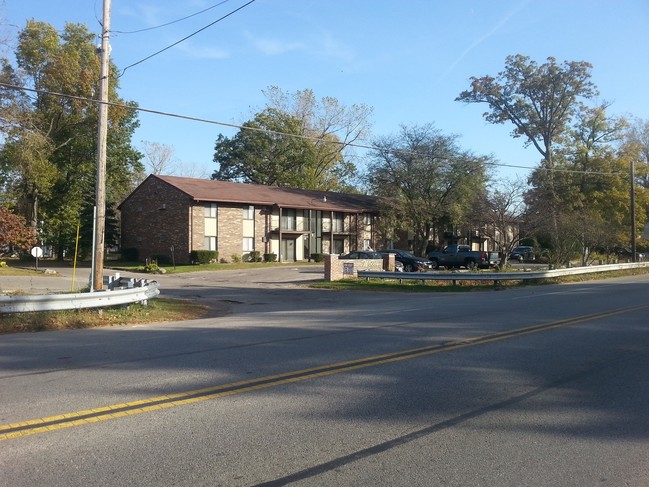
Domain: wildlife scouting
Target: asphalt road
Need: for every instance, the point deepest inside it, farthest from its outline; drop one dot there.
(531, 386)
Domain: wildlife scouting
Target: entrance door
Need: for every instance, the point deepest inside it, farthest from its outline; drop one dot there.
(287, 250)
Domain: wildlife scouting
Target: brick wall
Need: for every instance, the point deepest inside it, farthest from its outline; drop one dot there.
(335, 268)
(230, 230)
(156, 217)
(197, 227)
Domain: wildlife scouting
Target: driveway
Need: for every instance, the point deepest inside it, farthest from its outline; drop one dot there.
(223, 291)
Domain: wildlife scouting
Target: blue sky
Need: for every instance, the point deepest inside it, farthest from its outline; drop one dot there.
(408, 59)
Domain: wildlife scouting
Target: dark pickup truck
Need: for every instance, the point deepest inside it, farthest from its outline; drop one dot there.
(463, 256)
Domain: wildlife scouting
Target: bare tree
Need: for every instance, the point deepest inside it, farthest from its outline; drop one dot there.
(160, 158)
(504, 216)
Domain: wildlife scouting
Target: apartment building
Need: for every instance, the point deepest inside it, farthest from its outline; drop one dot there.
(168, 215)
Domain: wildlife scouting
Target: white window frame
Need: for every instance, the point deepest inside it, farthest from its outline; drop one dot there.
(248, 244)
(338, 222)
(210, 243)
(210, 210)
(249, 212)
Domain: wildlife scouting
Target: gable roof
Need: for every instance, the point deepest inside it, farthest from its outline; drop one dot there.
(206, 190)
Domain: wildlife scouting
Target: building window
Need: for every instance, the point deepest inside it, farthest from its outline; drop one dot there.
(339, 246)
(338, 223)
(210, 210)
(367, 219)
(288, 219)
(210, 230)
(248, 244)
(249, 212)
(210, 243)
(367, 244)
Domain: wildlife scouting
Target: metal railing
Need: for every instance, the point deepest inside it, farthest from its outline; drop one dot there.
(498, 276)
(119, 291)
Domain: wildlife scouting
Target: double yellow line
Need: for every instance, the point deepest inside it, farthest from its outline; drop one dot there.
(52, 423)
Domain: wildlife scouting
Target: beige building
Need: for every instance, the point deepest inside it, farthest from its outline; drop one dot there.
(168, 214)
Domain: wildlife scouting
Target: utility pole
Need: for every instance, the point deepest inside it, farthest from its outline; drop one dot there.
(97, 283)
(633, 245)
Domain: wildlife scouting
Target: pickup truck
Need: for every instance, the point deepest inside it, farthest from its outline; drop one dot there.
(463, 256)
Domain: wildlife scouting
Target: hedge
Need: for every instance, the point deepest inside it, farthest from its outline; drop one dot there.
(204, 256)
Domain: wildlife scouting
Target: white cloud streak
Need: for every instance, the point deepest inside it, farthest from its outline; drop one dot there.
(486, 36)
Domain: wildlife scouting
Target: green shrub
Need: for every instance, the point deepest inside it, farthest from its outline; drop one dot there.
(270, 257)
(151, 266)
(236, 258)
(204, 256)
(161, 259)
(317, 257)
(254, 256)
(130, 254)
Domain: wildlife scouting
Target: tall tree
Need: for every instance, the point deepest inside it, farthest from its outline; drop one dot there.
(48, 155)
(541, 102)
(296, 141)
(637, 140)
(593, 190)
(263, 152)
(431, 182)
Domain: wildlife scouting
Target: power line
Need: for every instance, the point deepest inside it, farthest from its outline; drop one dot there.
(170, 23)
(276, 132)
(185, 38)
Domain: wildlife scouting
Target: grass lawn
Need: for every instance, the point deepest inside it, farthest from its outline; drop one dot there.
(18, 271)
(158, 310)
(406, 286)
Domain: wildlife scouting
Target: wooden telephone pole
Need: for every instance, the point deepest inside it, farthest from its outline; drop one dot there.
(97, 278)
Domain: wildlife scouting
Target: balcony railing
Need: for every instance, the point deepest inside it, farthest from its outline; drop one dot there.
(298, 228)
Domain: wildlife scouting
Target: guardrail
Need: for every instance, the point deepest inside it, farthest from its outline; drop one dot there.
(498, 276)
(119, 291)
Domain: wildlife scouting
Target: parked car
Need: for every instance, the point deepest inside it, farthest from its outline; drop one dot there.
(368, 254)
(462, 256)
(626, 254)
(411, 263)
(522, 253)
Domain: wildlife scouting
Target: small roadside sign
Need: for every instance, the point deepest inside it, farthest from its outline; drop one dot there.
(37, 252)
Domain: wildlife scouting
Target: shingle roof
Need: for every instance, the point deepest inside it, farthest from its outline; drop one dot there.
(255, 194)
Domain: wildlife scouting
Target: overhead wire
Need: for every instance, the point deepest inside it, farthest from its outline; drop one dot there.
(170, 23)
(186, 37)
(276, 132)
